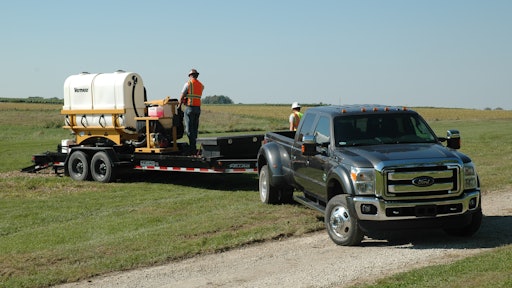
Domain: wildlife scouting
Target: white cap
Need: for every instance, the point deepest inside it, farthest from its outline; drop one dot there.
(295, 105)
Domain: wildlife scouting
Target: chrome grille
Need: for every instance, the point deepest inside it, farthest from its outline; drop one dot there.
(422, 182)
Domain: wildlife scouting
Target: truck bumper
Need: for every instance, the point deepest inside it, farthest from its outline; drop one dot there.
(378, 210)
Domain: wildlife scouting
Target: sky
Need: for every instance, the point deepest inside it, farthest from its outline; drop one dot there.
(416, 53)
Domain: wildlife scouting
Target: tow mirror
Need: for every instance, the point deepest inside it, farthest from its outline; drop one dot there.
(453, 139)
(309, 145)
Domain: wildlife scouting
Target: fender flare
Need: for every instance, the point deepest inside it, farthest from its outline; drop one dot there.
(341, 176)
(278, 161)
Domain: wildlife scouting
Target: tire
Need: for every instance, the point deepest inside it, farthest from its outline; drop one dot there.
(78, 166)
(101, 168)
(468, 230)
(342, 223)
(286, 194)
(268, 193)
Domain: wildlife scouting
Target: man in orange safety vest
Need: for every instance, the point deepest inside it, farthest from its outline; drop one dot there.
(191, 98)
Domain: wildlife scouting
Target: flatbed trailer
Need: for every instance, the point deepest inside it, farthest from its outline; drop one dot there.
(226, 154)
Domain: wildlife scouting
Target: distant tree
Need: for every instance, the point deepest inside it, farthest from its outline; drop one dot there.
(217, 99)
(487, 108)
(498, 108)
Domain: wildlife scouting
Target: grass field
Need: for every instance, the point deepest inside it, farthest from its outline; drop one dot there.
(55, 230)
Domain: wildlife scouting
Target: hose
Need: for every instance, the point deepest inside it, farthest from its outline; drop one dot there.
(134, 78)
(84, 117)
(104, 121)
(136, 144)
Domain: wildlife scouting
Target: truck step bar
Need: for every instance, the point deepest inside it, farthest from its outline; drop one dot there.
(309, 203)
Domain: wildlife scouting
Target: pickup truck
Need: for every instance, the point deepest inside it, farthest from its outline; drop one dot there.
(371, 168)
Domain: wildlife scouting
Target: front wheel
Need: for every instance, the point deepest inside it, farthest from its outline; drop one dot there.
(101, 168)
(468, 230)
(342, 225)
(78, 166)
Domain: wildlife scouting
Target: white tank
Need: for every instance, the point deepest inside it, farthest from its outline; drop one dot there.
(107, 92)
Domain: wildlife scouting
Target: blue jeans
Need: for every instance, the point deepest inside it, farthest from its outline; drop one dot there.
(192, 124)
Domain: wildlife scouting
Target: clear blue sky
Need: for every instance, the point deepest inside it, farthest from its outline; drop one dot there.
(441, 53)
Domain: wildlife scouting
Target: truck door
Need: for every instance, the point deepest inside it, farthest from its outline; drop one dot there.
(310, 171)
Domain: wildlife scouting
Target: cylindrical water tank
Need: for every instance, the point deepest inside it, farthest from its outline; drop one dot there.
(108, 92)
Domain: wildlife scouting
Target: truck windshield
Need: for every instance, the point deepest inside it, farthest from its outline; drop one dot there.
(373, 129)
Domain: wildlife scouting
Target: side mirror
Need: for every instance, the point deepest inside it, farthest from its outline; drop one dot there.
(453, 139)
(309, 145)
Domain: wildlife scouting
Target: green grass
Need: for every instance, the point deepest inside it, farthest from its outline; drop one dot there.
(56, 230)
(488, 144)
(487, 270)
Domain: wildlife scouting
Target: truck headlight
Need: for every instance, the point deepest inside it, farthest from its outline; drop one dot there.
(470, 177)
(363, 179)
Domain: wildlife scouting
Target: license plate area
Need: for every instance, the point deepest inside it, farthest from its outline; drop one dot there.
(425, 210)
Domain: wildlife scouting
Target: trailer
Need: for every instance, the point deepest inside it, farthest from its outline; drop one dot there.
(115, 129)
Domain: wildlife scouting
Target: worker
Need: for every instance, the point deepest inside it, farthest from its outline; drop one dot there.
(295, 116)
(191, 98)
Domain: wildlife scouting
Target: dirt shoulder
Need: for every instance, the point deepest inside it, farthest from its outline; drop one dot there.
(314, 261)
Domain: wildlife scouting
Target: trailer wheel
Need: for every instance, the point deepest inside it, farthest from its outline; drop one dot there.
(101, 168)
(78, 166)
(268, 193)
(341, 222)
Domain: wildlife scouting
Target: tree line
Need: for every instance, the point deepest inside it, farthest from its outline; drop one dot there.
(39, 100)
(215, 99)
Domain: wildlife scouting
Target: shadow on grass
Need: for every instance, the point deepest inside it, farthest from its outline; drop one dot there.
(226, 182)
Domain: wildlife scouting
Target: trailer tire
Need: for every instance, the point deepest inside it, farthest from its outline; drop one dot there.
(78, 166)
(342, 223)
(101, 168)
(268, 193)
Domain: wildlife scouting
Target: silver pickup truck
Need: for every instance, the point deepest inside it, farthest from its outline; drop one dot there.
(371, 168)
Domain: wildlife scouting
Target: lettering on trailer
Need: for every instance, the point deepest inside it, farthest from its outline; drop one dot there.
(239, 165)
(145, 163)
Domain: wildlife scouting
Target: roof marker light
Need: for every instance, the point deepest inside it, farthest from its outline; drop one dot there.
(375, 109)
(386, 109)
(363, 109)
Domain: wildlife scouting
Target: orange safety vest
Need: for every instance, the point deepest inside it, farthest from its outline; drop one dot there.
(195, 90)
(296, 119)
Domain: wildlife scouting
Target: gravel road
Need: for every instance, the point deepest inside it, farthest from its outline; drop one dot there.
(314, 261)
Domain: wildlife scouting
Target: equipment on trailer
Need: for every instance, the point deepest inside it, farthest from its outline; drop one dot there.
(115, 128)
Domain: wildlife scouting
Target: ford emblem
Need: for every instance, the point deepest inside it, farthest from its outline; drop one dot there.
(423, 181)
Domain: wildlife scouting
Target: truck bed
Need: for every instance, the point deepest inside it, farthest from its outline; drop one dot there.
(283, 137)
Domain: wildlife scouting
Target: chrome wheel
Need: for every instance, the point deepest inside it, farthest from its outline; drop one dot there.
(340, 222)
